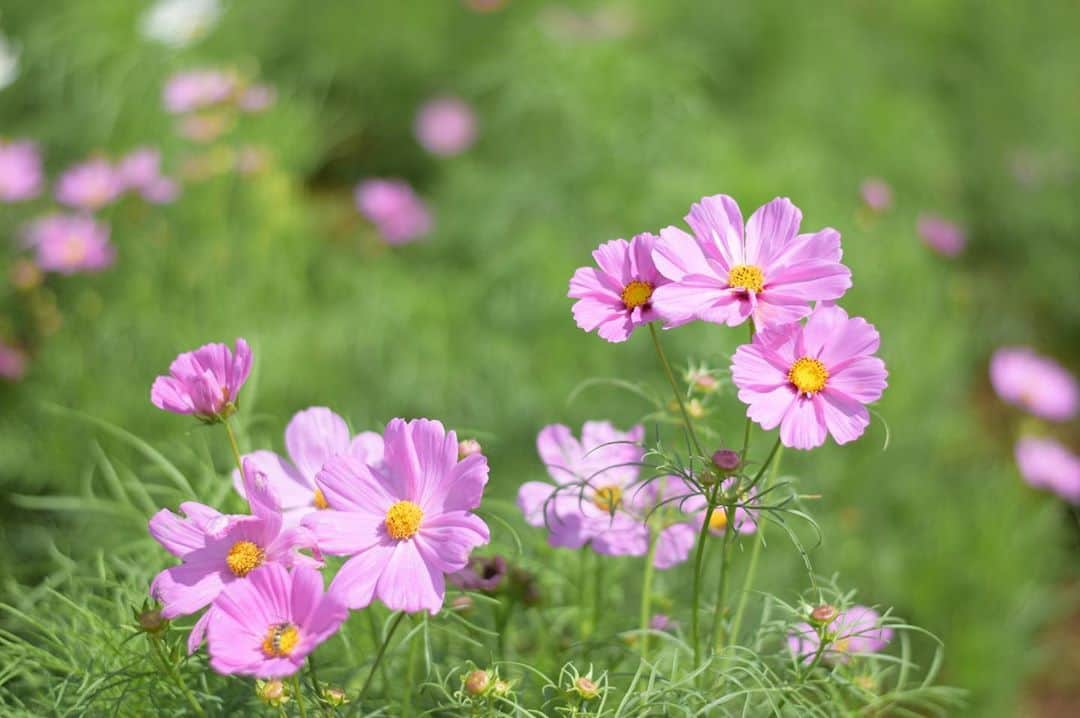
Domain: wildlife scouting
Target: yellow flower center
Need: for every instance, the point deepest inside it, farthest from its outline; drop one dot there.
(746, 276)
(608, 498)
(636, 294)
(281, 640)
(808, 375)
(718, 520)
(244, 557)
(841, 645)
(320, 501)
(403, 520)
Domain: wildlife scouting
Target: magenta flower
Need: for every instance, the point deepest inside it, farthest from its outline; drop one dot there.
(90, 185)
(140, 171)
(204, 382)
(877, 194)
(812, 380)
(217, 550)
(312, 438)
(941, 235)
(69, 243)
(12, 362)
(726, 274)
(197, 89)
(1035, 383)
(405, 523)
(1046, 464)
(267, 625)
(615, 297)
(20, 171)
(445, 126)
(394, 208)
(854, 631)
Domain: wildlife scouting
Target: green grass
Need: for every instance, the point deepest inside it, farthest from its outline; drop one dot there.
(582, 141)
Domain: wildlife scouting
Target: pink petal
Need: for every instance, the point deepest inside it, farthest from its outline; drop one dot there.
(198, 631)
(355, 582)
(313, 436)
(446, 541)
(768, 409)
(531, 499)
(803, 427)
(367, 446)
(717, 221)
(293, 489)
(463, 487)
(560, 452)
(675, 544)
(769, 230)
(186, 588)
(351, 485)
(677, 255)
(613, 258)
(845, 418)
(409, 584)
(821, 245)
(344, 533)
(862, 379)
(178, 536)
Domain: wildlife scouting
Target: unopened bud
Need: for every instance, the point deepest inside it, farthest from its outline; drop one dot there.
(500, 688)
(468, 447)
(477, 683)
(823, 615)
(586, 688)
(150, 621)
(335, 696)
(272, 693)
(726, 460)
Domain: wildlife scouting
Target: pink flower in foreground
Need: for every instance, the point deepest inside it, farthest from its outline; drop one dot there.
(941, 235)
(217, 550)
(405, 523)
(856, 630)
(12, 362)
(69, 244)
(726, 274)
(812, 380)
(267, 625)
(204, 382)
(877, 194)
(1035, 383)
(1046, 464)
(20, 171)
(197, 89)
(90, 185)
(394, 208)
(615, 297)
(445, 126)
(312, 438)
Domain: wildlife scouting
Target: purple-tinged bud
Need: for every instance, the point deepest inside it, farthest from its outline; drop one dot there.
(823, 615)
(468, 447)
(726, 460)
(477, 683)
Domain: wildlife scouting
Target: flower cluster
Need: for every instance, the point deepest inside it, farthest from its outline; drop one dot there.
(398, 504)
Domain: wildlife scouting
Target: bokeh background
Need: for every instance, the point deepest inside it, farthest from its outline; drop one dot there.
(596, 120)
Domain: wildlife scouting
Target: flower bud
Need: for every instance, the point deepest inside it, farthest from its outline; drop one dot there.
(823, 615)
(586, 688)
(500, 688)
(726, 460)
(335, 696)
(462, 603)
(272, 693)
(477, 683)
(468, 447)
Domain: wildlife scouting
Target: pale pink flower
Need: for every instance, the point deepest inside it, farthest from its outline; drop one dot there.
(12, 362)
(394, 208)
(90, 185)
(1046, 464)
(205, 382)
(445, 126)
(69, 243)
(21, 177)
(941, 235)
(1035, 383)
(877, 194)
(855, 631)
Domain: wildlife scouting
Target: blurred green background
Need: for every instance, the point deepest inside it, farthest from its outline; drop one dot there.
(597, 120)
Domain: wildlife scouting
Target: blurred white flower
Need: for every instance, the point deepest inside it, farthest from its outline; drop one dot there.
(9, 63)
(179, 22)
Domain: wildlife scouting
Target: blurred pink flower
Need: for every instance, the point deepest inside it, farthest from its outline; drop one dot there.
(856, 630)
(445, 126)
(812, 380)
(12, 362)
(1035, 383)
(90, 185)
(257, 98)
(877, 194)
(69, 243)
(1046, 464)
(197, 89)
(941, 235)
(20, 171)
(205, 382)
(140, 171)
(205, 127)
(394, 208)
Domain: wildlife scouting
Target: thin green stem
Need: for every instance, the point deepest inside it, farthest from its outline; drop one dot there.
(410, 681)
(379, 657)
(233, 444)
(646, 593)
(721, 586)
(170, 669)
(755, 552)
(699, 559)
(675, 389)
(299, 692)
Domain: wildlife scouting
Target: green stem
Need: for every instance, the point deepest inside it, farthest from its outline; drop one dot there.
(234, 445)
(410, 682)
(646, 594)
(299, 695)
(675, 389)
(587, 600)
(699, 559)
(755, 552)
(177, 678)
(721, 587)
(379, 657)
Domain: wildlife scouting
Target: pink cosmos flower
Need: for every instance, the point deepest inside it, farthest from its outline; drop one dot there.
(877, 194)
(394, 208)
(941, 235)
(812, 380)
(140, 171)
(856, 630)
(20, 171)
(1035, 383)
(726, 273)
(615, 297)
(257, 98)
(204, 382)
(445, 126)
(69, 243)
(12, 362)
(312, 437)
(196, 89)
(405, 523)
(217, 550)
(267, 625)
(1046, 464)
(90, 185)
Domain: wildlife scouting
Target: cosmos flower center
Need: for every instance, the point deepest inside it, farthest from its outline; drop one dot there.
(319, 501)
(244, 557)
(74, 249)
(281, 640)
(746, 276)
(636, 294)
(808, 375)
(718, 520)
(842, 645)
(608, 498)
(403, 520)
